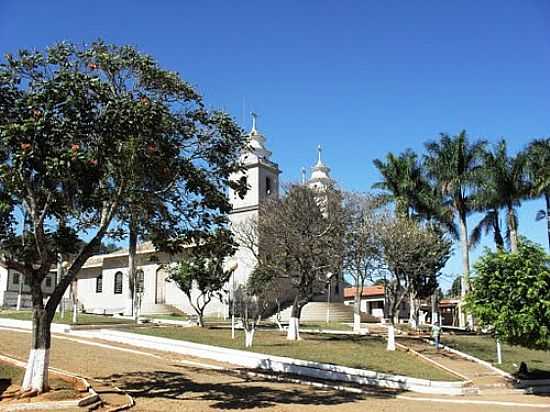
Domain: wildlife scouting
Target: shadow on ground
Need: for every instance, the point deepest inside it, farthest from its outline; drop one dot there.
(235, 393)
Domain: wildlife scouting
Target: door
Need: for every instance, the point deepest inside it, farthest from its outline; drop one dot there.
(160, 295)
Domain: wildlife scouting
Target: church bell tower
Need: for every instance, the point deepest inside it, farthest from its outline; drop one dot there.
(262, 176)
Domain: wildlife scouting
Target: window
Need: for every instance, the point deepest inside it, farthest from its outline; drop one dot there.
(48, 282)
(16, 278)
(268, 186)
(99, 284)
(140, 281)
(118, 283)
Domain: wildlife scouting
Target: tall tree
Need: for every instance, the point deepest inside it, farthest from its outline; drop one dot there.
(504, 186)
(538, 164)
(413, 254)
(362, 246)
(454, 164)
(402, 181)
(66, 116)
(300, 236)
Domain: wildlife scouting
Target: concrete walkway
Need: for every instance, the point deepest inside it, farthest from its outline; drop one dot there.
(170, 382)
(480, 375)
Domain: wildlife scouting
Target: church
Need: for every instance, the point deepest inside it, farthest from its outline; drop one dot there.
(102, 285)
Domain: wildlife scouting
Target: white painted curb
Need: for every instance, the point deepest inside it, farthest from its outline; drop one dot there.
(283, 364)
(262, 361)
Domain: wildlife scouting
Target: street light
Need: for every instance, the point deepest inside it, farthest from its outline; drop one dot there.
(330, 275)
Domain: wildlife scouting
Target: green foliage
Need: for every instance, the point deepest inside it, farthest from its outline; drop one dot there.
(87, 134)
(511, 295)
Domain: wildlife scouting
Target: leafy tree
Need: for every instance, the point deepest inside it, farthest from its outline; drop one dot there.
(538, 164)
(454, 291)
(67, 118)
(504, 185)
(202, 275)
(413, 255)
(255, 299)
(362, 246)
(300, 237)
(454, 164)
(511, 295)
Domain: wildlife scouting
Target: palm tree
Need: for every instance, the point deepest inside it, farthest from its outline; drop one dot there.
(538, 166)
(504, 186)
(489, 223)
(454, 164)
(407, 185)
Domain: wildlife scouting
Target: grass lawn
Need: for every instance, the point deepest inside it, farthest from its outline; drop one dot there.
(484, 347)
(83, 318)
(367, 352)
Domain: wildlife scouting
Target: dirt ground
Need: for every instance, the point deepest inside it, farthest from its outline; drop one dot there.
(162, 382)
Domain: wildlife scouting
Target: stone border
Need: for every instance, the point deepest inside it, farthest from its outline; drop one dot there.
(85, 401)
(286, 365)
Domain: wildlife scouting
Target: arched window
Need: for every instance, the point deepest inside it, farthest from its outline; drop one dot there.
(118, 283)
(140, 281)
(99, 284)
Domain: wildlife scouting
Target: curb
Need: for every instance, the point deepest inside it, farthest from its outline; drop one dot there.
(288, 365)
(87, 400)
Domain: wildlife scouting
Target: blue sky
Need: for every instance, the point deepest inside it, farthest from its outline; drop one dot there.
(361, 78)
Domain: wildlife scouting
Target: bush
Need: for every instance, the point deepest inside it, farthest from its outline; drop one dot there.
(511, 295)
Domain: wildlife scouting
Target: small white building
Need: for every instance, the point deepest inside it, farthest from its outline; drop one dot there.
(14, 286)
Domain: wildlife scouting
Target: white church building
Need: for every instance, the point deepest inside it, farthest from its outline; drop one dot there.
(102, 285)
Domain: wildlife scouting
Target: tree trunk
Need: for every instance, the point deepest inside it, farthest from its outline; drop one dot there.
(249, 336)
(465, 279)
(499, 241)
(435, 312)
(294, 321)
(357, 305)
(547, 198)
(391, 335)
(512, 228)
(74, 298)
(36, 372)
(413, 322)
(132, 247)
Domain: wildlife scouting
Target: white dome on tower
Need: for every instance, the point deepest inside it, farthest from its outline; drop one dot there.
(320, 173)
(256, 141)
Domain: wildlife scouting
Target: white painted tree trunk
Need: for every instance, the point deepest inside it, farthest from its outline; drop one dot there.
(75, 312)
(391, 338)
(412, 313)
(249, 337)
(36, 373)
(356, 322)
(293, 329)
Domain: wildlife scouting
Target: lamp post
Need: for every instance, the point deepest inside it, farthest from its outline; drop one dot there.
(330, 275)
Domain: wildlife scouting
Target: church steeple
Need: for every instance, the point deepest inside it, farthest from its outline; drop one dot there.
(256, 142)
(320, 173)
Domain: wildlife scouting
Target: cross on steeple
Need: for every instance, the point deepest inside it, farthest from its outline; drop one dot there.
(254, 117)
(319, 150)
